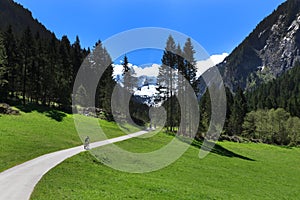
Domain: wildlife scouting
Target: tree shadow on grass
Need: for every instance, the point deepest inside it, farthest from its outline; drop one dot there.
(217, 149)
(49, 112)
(56, 115)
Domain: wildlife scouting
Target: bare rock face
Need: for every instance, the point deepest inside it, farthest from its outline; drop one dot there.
(271, 49)
(281, 51)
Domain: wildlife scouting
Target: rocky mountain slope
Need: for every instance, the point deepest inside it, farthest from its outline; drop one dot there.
(271, 49)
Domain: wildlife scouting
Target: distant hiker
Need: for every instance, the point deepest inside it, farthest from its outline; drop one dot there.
(87, 143)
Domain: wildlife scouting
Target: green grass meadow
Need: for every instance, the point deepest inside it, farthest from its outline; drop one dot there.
(39, 131)
(231, 171)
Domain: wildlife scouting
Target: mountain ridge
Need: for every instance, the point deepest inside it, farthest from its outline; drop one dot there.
(20, 18)
(272, 48)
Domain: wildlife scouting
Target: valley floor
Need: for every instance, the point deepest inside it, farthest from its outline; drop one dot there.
(231, 171)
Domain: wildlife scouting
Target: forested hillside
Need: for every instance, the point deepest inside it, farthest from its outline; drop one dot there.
(38, 70)
(267, 114)
(284, 92)
(20, 19)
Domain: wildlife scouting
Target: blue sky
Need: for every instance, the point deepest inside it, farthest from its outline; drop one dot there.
(218, 25)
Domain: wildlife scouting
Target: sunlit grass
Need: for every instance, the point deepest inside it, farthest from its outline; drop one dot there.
(228, 173)
(40, 131)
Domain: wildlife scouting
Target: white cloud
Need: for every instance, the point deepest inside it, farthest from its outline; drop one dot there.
(204, 65)
(152, 70)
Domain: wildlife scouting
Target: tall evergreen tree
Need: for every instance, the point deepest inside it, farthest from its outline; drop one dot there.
(35, 70)
(106, 83)
(27, 58)
(229, 103)
(128, 79)
(3, 71)
(190, 71)
(12, 60)
(77, 55)
(41, 65)
(49, 83)
(97, 65)
(64, 73)
(238, 112)
(167, 77)
(181, 89)
(205, 112)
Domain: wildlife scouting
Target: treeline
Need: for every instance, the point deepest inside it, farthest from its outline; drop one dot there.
(41, 70)
(272, 126)
(37, 69)
(269, 113)
(283, 92)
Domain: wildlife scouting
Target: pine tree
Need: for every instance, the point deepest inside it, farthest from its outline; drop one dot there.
(128, 78)
(3, 71)
(190, 64)
(27, 53)
(12, 61)
(77, 55)
(35, 71)
(238, 112)
(166, 78)
(229, 102)
(64, 74)
(181, 89)
(50, 72)
(41, 64)
(106, 83)
(98, 69)
(126, 72)
(190, 71)
(205, 112)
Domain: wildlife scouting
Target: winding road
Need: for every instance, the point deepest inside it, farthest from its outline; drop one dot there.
(17, 183)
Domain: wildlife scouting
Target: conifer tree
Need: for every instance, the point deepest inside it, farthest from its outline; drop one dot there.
(64, 77)
(128, 78)
(190, 71)
(181, 89)
(190, 64)
(27, 56)
(106, 83)
(41, 64)
(10, 43)
(238, 112)
(77, 55)
(3, 71)
(50, 71)
(166, 78)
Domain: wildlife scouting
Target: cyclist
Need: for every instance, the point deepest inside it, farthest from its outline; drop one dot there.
(87, 143)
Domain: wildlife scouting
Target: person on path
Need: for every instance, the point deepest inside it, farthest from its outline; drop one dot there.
(87, 143)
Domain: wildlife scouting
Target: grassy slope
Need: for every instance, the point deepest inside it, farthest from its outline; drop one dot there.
(36, 133)
(275, 174)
